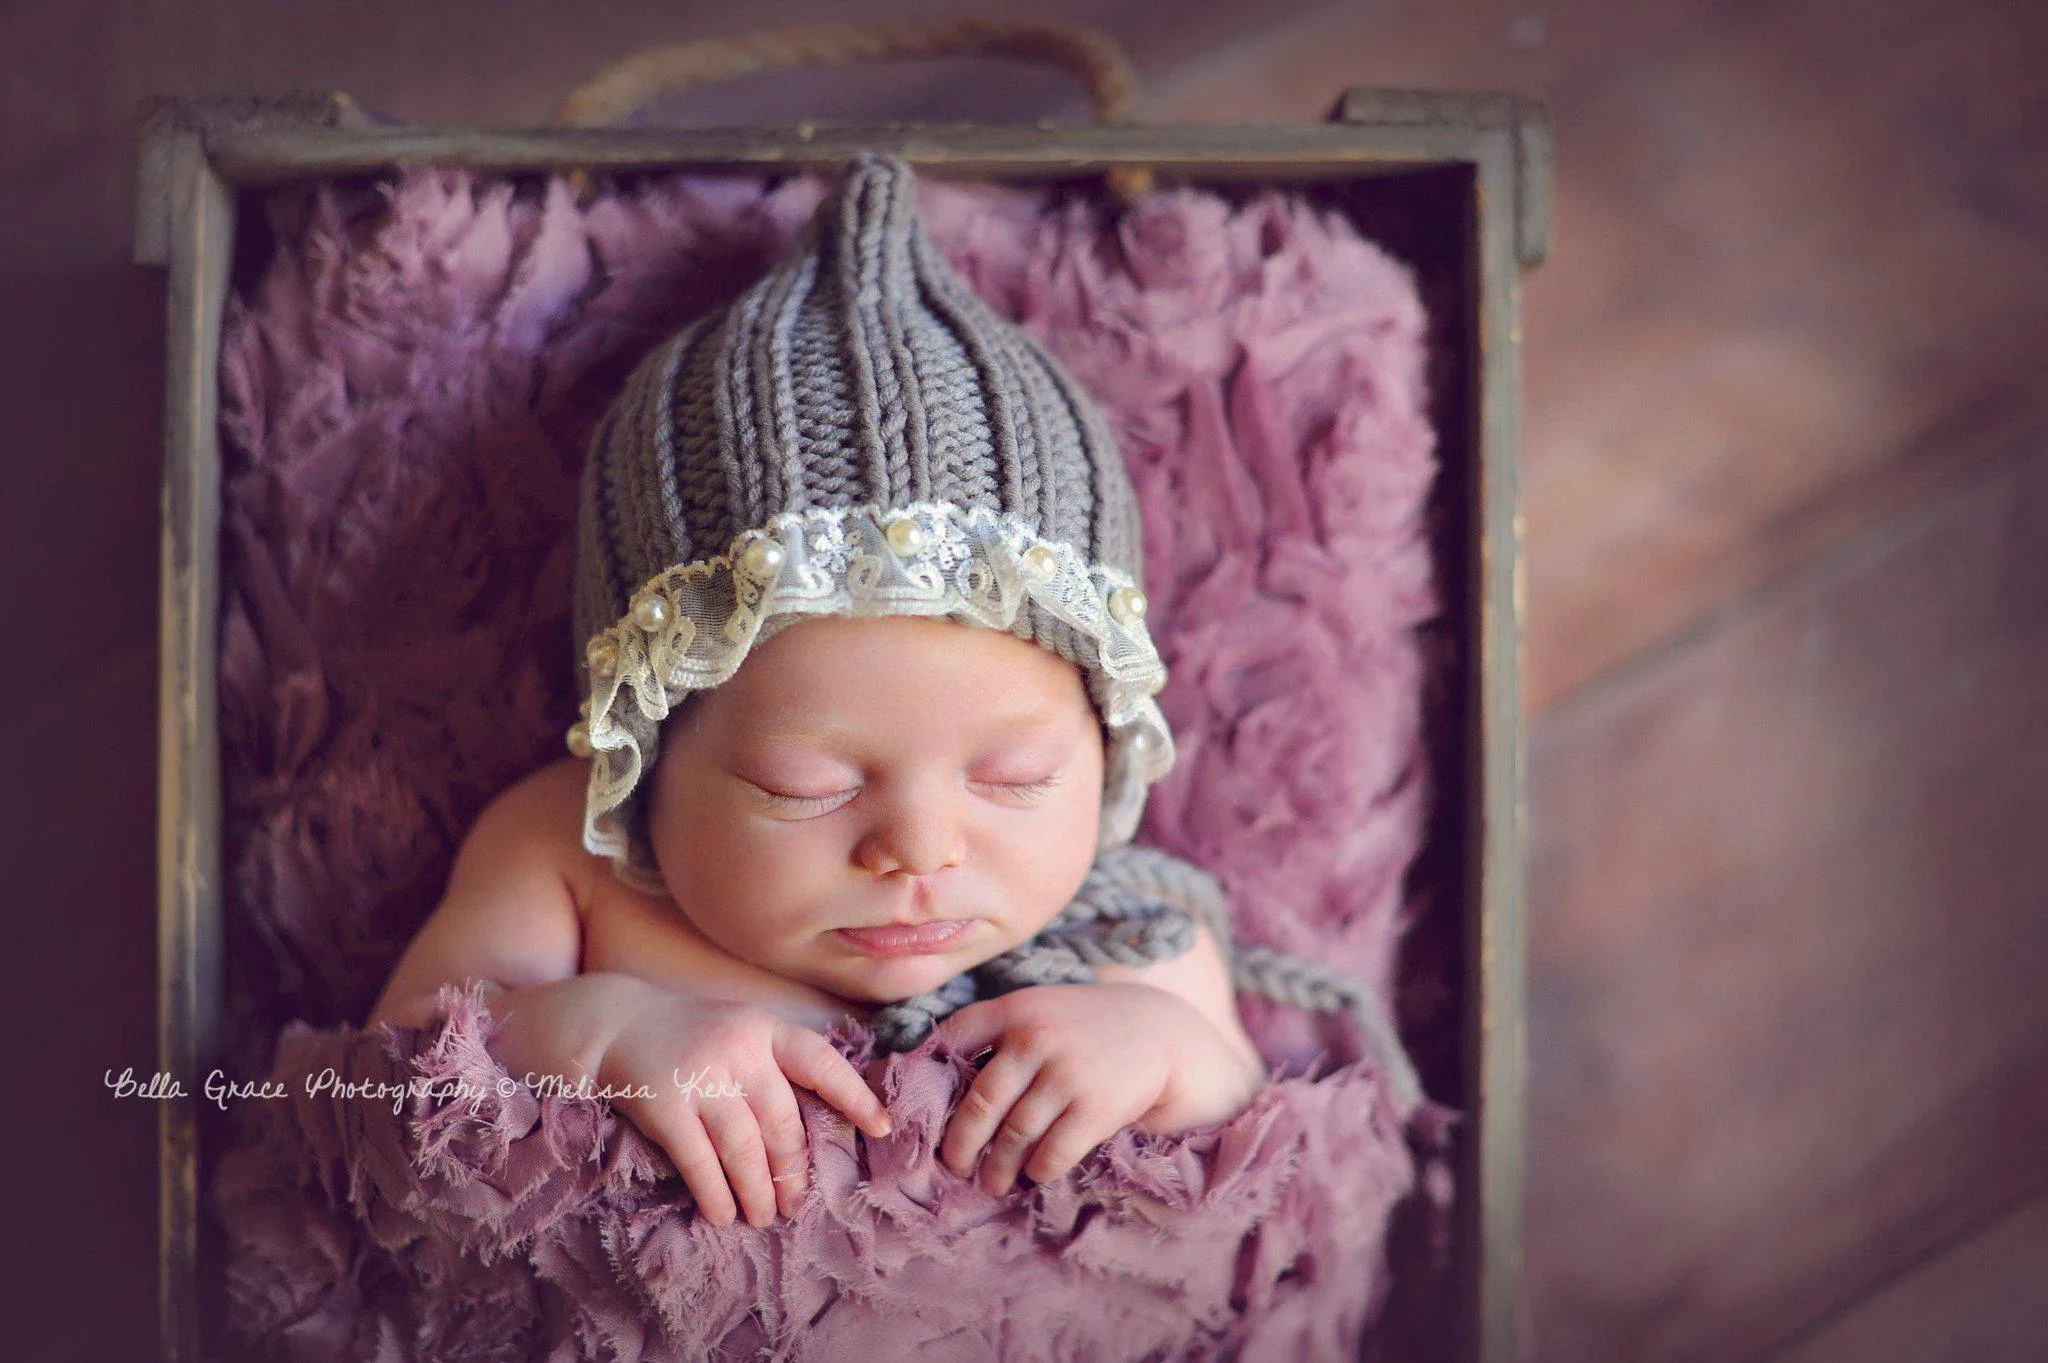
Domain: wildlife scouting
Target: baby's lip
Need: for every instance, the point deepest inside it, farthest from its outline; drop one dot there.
(904, 939)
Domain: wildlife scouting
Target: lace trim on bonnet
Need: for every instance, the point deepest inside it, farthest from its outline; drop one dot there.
(691, 626)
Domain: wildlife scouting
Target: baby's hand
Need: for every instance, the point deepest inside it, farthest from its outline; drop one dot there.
(1075, 1064)
(723, 1107)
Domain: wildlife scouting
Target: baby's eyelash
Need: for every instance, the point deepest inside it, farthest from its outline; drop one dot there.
(1024, 788)
(819, 803)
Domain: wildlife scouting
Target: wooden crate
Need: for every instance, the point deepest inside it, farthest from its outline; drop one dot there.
(1476, 166)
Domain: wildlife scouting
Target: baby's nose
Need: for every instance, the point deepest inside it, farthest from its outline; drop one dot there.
(914, 839)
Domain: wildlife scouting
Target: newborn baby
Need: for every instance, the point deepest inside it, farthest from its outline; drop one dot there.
(867, 809)
(869, 726)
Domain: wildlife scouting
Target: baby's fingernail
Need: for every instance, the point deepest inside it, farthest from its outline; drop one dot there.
(886, 1126)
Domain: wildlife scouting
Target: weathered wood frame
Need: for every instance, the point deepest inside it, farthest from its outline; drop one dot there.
(194, 156)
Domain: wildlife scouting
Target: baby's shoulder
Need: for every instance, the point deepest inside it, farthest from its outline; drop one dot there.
(538, 821)
(531, 809)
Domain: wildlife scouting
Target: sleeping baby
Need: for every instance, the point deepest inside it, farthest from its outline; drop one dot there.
(869, 726)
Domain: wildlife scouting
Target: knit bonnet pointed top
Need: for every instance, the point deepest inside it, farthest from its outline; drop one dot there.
(857, 434)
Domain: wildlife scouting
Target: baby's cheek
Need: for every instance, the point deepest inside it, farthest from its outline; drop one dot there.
(1037, 878)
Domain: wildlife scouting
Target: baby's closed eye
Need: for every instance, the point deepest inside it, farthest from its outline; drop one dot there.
(1022, 771)
(1025, 790)
(798, 786)
(805, 805)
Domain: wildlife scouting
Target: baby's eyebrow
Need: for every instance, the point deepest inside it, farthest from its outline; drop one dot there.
(825, 735)
(1036, 717)
(812, 736)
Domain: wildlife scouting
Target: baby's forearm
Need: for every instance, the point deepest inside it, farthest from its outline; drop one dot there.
(560, 1028)
(1200, 976)
(1214, 1076)
(565, 1027)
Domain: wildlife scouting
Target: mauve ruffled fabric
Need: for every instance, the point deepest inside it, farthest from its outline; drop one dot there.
(504, 1224)
(408, 387)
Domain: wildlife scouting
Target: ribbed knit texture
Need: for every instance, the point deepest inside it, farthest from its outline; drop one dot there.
(862, 369)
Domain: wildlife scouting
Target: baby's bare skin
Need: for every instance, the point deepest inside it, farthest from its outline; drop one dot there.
(854, 773)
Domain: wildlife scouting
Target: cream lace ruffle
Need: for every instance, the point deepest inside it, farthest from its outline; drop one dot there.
(691, 626)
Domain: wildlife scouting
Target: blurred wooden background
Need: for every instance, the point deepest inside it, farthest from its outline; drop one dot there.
(1787, 473)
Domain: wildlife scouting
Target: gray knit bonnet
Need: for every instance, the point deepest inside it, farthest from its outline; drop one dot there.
(858, 434)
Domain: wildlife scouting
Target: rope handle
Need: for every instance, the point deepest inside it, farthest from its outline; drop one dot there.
(1098, 60)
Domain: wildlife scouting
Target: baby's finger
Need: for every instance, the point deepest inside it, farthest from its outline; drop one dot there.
(977, 1025)
(999, 1085)
(1069, 1140)
(1030, 1118)
(782, 1131)
(679, 1131)
(737, 1136)
(809, 1059)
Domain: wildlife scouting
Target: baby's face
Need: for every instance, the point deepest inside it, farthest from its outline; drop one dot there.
(856, 773)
